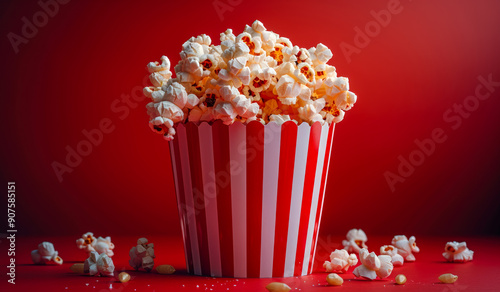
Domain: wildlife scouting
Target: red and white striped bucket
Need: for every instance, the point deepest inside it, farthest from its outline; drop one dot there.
(250, 197)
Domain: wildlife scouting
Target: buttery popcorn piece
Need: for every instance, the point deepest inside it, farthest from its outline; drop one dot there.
(356, 239)
(87, 242)
(373, 265)
(457, 252)
(46, 253)
(236, 80)
(142, 256)
(390, 250)
(406, 247)
(340, 261)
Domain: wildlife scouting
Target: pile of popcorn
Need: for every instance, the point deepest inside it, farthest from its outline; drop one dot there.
(254, 76)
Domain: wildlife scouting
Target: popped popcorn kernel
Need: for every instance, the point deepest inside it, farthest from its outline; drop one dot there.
(457, 252)
(406, 247)
(257, 63)
(373, 266)
(46, 254)
(356, 239)
(142, 255)
(340, 261)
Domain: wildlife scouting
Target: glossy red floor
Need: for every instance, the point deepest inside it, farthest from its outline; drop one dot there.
(479, 275)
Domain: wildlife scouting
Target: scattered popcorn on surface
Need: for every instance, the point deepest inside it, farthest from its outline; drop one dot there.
(457, 252)
(142, 256)
(356, 239)
(392, 251)
(278, 287)
(104, 245)
(87, 242)
(46, 253)
(254, 76)
(334, 280)
(340, 261)
(406, 247)
(99, 265)
(373, 265)
(448, 278)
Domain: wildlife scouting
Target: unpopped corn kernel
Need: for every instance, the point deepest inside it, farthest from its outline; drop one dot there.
(448, 278)
(77, 268)
(278, 287)
(124, 277)
(165, 269)
(400, 279)
(334, 279)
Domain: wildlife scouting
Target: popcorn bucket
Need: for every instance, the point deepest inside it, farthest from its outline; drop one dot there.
(250, 197)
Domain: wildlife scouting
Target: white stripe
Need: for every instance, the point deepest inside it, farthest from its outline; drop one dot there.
(209, 191)
(181, 211)
(314, 205)
(299, 173)
(272, 139)
(329, 152)
(190, 210)
(238, 169)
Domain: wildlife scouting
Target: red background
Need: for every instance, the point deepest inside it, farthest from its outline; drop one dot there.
(428, 57)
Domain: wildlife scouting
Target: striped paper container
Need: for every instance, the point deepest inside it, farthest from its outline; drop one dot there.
(250, 197)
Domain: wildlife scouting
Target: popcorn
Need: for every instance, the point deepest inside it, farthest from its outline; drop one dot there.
(396, 259)
(97, 265)
(340, 261)
(356, 239)
(142, 255)
(373, 265)
(320, 54)
(87, 242)
(457, 252)
(104, 245)
(405, 247)
(46, 253)
(256, 67)
(279, 119)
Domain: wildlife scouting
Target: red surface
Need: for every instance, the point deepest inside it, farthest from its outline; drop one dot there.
(478, 275)
(87, 66)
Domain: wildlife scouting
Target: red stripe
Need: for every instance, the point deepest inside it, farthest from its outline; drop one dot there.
(198, 196)
(284, 197)
(181, 203)
(255, 168)
(321, 194)
(312, 161)
(220, 134)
